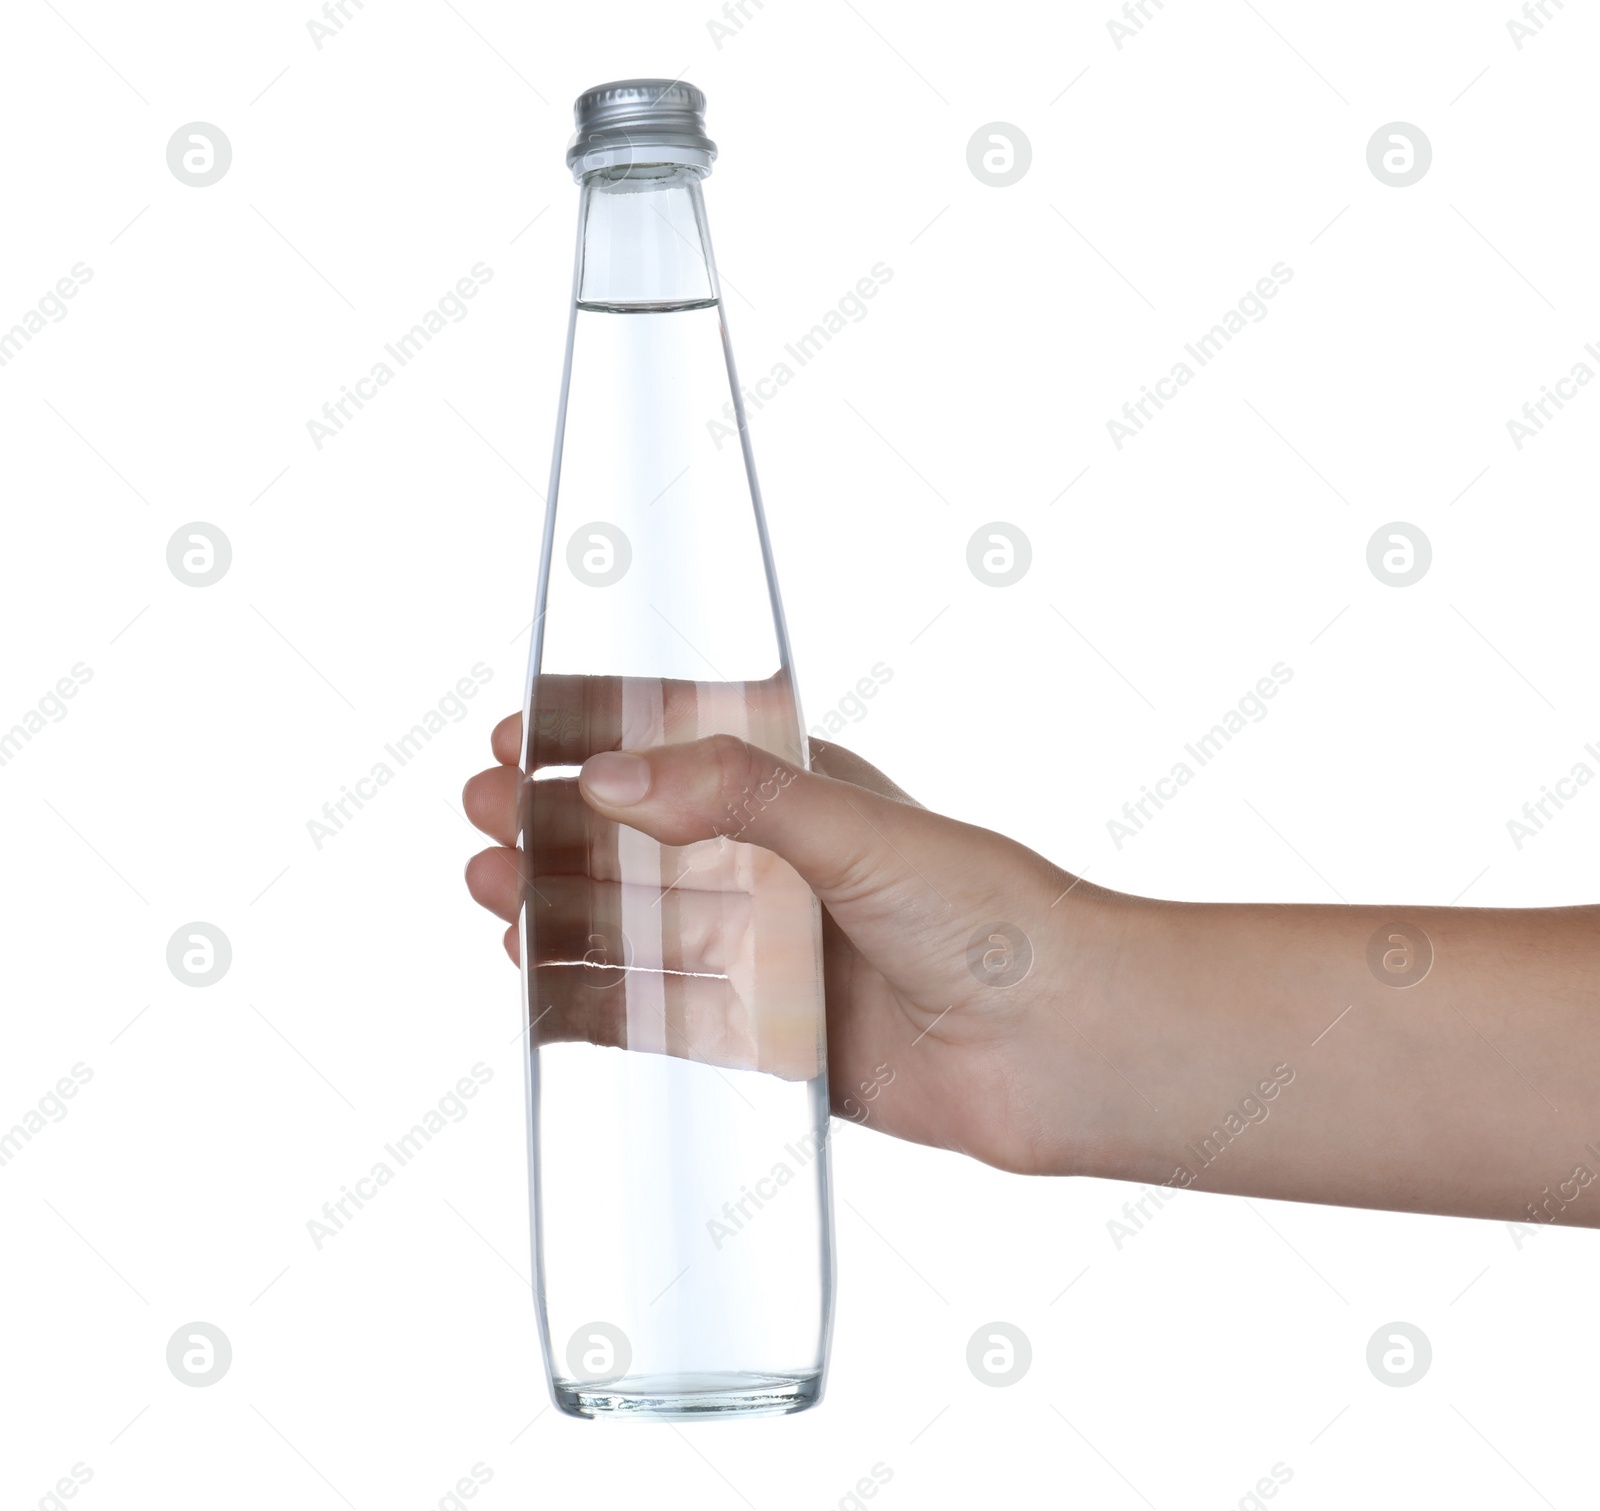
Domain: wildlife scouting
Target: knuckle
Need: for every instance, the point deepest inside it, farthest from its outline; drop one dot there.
(748, 782)
(732, 760)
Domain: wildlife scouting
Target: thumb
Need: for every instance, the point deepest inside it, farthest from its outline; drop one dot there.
(844, 841)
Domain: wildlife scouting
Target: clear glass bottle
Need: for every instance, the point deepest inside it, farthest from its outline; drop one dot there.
(677, 1073)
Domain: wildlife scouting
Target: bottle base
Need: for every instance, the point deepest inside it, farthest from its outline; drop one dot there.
(689, 1395)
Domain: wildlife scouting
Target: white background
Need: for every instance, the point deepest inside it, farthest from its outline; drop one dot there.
(368, 576)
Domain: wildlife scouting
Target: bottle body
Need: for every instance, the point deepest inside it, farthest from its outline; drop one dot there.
(677, 1085)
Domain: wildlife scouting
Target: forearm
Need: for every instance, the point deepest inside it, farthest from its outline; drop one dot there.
(1263, 1055)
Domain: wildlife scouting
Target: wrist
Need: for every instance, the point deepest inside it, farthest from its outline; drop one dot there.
(1091, 1048)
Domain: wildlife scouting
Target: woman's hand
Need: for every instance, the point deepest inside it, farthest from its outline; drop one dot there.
(954, 958)
(980, 999)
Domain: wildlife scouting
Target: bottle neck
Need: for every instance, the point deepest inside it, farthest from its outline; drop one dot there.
(642, 240)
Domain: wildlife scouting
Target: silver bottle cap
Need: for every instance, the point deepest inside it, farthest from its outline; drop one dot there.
(640, 121)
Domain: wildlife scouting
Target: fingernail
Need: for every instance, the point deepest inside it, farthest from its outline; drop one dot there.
(616, 778)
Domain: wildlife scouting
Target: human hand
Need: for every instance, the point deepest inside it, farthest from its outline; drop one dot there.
(980, 999)
(949, 993)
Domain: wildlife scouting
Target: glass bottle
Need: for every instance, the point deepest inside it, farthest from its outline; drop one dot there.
(677, 1071)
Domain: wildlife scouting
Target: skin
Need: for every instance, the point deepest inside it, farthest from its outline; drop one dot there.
(1141, 1026)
